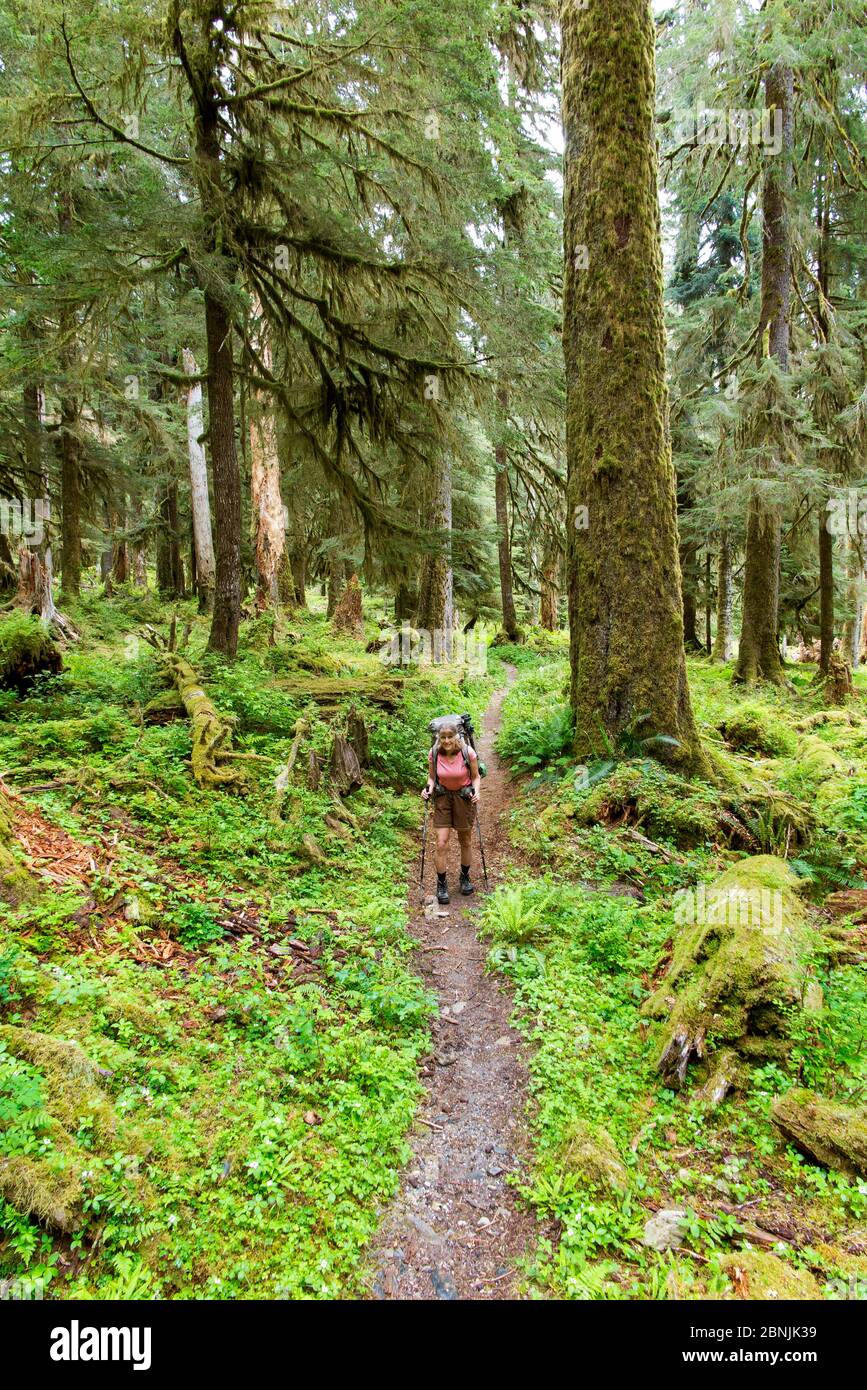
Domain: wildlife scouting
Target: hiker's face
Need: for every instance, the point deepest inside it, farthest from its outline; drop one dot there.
(448, 740)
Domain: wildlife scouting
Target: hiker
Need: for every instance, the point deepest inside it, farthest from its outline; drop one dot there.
(454, 782)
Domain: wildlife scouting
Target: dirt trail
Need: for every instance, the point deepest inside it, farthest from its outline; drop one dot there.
(454, 1230)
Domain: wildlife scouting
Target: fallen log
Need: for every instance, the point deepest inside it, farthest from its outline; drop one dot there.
(832, 1134)
(212, 755)
(738, 975)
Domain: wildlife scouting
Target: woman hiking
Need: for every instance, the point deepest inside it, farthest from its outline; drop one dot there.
(454, 782)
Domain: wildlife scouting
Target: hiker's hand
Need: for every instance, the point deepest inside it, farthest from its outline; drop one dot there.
(425, 793)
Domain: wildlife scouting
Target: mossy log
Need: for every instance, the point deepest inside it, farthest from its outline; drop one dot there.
(212, 756)
(834, 1135)
(50, 1187)
(331, 690)
(758, 1275)
(213, 761)
(738, 970)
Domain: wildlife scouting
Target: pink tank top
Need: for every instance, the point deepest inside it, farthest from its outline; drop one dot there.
(451, 773)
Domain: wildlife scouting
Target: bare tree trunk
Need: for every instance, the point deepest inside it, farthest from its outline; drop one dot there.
(269, 528)
(200, 504)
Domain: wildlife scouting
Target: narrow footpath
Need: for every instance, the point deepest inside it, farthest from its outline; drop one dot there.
(455, 1231)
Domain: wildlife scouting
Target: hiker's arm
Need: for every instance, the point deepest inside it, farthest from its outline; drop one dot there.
(428, 790)
(477, 777)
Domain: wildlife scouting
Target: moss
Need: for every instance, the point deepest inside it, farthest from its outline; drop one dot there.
(753, 729)
(642, 793)
(71, 1088)
(590, 1152)
(49, 1190)
(818, 761)
(738, 970)
(17, 883)
(832, 1134)
(759, 1275)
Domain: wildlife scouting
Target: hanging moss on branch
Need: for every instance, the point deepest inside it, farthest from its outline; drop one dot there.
(738, 974)
(214, 762)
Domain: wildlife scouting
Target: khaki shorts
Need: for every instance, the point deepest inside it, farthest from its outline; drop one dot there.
(453, 810)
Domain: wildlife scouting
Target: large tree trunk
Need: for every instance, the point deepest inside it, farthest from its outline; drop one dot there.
(548, 616)
(688, 555)
(626, 616)
(213, 195)
(722, 642)
(227, 482)
(826, 593)
(69, 444)
(759, 651)
(269, 527)
(504, 547)
(170, 565)
(200, 504)
(436, 611)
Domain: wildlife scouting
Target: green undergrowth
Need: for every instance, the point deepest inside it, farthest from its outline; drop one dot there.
(583, 930)
(209, 1044)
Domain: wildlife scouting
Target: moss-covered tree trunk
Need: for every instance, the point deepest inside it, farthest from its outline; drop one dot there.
(436, 613)
(202, 61)
(504, 546)
(826, 593)
(759, 650)
(170, 565)
(69, 445)
(722, 642)
(548, 616)
(625, 608)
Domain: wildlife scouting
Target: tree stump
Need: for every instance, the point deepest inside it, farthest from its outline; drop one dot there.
(738, 974)
(344, 769)
(838, 682)
(357, 736)
(347, 615)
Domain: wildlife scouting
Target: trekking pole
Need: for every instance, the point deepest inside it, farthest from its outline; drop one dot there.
(423, 843)
(482, 849)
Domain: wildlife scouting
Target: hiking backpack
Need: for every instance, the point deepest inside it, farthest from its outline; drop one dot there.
(466, 737)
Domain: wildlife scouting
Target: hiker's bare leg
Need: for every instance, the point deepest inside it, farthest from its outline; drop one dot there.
(466, 839)
(443, 833)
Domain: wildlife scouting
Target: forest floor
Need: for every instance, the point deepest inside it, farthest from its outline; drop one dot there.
(235, 1066)
(455, 1230)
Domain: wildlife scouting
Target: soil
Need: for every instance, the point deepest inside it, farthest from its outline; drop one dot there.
(456, 1231)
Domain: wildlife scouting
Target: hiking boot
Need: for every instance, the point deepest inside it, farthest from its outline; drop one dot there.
(442, 889)
(466, 886)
